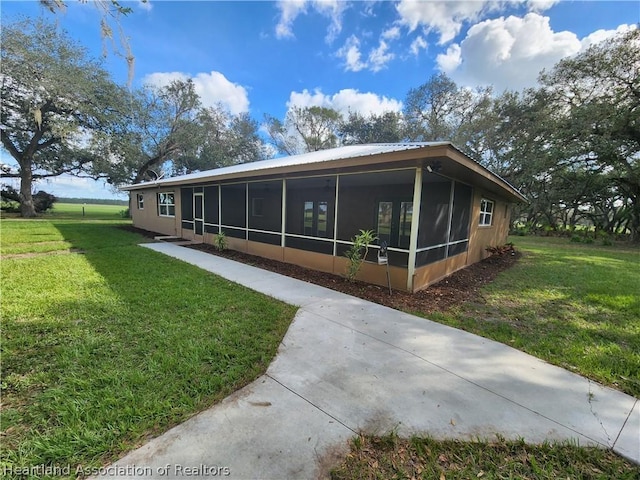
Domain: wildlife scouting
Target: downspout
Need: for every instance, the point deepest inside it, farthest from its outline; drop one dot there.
(415, 223)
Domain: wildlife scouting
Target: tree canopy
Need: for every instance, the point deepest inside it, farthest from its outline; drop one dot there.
(60, 110)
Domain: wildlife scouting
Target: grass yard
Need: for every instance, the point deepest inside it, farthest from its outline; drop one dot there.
(105, 343)
(424, 458)
(573, 305)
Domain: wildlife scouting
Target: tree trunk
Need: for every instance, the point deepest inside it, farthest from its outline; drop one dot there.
(27, 207)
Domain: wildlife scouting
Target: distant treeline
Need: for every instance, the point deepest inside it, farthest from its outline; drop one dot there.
(94, 201)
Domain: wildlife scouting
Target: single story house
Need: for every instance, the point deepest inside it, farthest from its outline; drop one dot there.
(436, 209)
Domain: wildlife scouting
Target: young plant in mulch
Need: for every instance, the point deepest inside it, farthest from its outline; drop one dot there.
(358, 252)
(220, 242)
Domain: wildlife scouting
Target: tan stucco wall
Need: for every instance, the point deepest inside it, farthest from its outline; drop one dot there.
(481, 237)
(148, 217)
(434, 272)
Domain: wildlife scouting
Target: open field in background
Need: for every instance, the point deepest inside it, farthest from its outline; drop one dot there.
(574, 305)
(91, 211)
(110, 345)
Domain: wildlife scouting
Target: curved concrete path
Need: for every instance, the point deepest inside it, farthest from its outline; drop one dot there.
(347, 365)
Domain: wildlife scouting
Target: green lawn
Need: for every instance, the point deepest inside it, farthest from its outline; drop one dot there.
(105, 344)
(104, 348)
(425, 458)
(574, 305)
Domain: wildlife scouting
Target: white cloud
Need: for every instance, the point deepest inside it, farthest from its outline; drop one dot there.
(75, 187)
(344, 101)
(379, 57)
(602, 35)
(418, 44)
(291, 9)
(376, 60)
(145, 5)
(392, 33)
(213, 88)
(541, 5)
(447, 17)
(507, 52)
(450, 60)
(350, 53)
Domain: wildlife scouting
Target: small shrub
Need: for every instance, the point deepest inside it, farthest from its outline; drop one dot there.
(220, 242)
(125, 213)
(358, 252)
(506, 249)
(43, 201)
(10, 206)
(576, 239)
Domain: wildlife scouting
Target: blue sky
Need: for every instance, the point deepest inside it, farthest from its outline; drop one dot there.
(264, 57)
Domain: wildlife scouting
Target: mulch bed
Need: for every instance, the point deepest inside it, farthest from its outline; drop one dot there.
(462, 286)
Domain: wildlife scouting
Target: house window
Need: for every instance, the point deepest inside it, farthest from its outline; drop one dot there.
(394, 223)
(166, 204)
(140, 201)
(257, 207)
(486, 212)
(315, 218)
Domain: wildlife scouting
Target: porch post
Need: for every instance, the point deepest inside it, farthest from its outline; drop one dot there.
(415, 222)
(246, 212)
(335, 218)
(219, 208)
(284, 212)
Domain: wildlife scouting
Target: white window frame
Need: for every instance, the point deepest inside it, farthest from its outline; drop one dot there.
(487, 209)
(166, 200)
(140, 201)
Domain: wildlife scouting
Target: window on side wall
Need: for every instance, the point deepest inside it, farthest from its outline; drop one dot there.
(486, 212)
(166, 204)
(140, 201)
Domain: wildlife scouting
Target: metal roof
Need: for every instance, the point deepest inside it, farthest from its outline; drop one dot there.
(263, 167)
(340, 153)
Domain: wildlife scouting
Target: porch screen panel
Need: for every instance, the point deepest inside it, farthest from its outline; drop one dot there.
(434, 219)
(234, 205)
(269, 238)
(369, 200)
(310, 206)
(186, 200)
(462, 198)
(211, 206)
(265, 206)
(309, 244)
(395, 258)
(434, 213)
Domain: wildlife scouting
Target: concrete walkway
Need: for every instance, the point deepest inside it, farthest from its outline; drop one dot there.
(347, 365)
